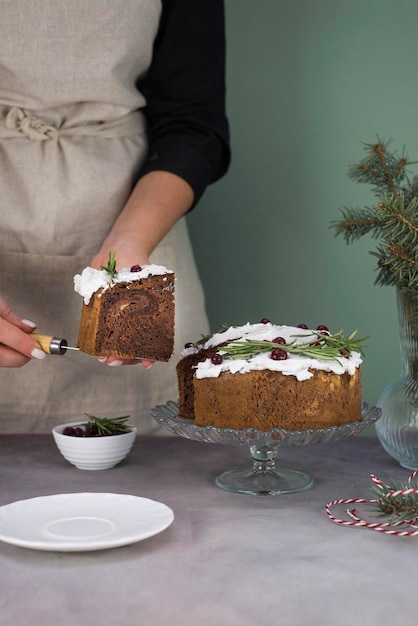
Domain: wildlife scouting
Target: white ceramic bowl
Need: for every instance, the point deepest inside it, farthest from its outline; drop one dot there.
(93, 453)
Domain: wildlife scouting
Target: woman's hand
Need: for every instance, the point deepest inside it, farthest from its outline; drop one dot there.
(158, 200)
(17, 347)
(127, 250)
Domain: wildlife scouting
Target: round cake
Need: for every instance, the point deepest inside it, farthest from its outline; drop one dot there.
(266, 376)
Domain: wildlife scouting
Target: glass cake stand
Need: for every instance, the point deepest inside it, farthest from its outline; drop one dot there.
(263, 478)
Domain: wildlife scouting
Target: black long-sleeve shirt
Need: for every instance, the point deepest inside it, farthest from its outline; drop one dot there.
(185, 93)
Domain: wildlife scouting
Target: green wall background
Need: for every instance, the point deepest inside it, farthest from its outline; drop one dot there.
(308, 83)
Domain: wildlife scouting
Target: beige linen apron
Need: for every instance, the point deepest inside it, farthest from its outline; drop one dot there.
(72, 138)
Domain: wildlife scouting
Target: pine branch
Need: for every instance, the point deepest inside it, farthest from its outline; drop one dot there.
(399, 221)
(401, 508)
(393, 221)
(396, 268)
(357, 222)
(411, 190)
(382, 169)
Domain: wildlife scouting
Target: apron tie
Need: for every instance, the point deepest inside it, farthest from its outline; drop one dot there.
(18, 123)
(30, 126)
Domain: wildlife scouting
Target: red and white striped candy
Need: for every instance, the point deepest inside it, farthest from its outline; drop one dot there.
(382, 527)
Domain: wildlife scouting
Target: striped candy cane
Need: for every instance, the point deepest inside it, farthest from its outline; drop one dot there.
(403, 528)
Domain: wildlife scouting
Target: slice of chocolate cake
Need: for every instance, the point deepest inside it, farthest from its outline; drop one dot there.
(129, 314)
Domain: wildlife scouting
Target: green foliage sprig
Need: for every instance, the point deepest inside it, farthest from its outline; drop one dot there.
(107, 425)
(110, 268)
(401, 508)
(204, 338)
(318, 346)
(393, 220)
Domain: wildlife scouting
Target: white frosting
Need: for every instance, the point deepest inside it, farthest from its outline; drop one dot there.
(91, 280)
(294, 365)
(230, 334)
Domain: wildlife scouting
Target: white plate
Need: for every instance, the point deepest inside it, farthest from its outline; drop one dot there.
(74, 522)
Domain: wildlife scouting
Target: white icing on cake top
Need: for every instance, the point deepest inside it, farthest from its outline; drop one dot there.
(294, 365)
(91, 280)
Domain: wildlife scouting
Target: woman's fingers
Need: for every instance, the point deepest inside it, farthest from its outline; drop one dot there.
(113, 361)
(11, 358)
(7, 314)
(17, 347)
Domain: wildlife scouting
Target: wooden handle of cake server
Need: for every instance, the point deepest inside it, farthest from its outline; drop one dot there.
(52, 345)
(44, 341)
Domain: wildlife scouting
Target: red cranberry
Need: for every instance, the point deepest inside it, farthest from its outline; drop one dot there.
(323, 330)
(278, 354)
(345, 352)
(265, 320)
(216, 359)
(136, 268)
(304, 326)
(68, 430)
(279, 340)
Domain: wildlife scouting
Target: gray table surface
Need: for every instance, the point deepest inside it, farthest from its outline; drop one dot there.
(227, 559)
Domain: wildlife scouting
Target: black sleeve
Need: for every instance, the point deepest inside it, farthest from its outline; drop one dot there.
(185, 93)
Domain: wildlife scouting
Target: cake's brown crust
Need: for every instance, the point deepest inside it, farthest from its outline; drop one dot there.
(130, 320)
(265, 400)
(185, 374)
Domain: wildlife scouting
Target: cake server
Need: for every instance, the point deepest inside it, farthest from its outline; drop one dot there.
(52, 345)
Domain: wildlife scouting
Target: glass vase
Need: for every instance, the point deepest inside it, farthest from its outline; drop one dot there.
(397, 428)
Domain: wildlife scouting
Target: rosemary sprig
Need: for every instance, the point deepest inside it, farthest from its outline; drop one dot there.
(110, 268)
(108, 425)
(204, 338)
(317, 346)
(401, 508)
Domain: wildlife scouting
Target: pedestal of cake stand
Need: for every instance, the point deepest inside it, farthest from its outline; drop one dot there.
(264, 478)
